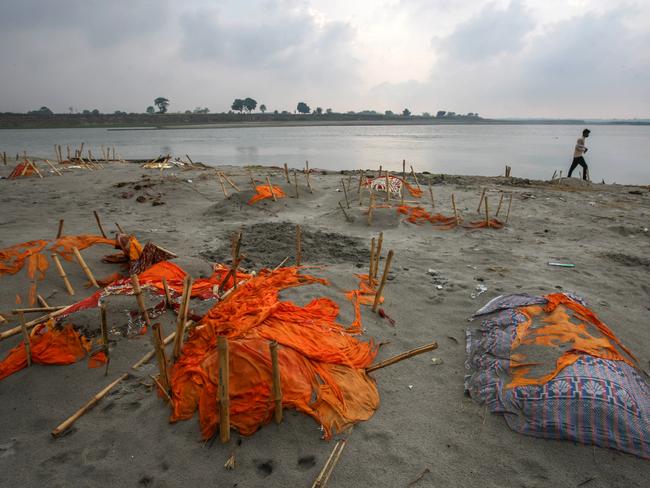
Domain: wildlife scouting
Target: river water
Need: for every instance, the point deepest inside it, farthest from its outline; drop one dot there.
(616, 153)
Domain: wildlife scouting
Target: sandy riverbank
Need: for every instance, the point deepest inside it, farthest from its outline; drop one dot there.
(424, 421)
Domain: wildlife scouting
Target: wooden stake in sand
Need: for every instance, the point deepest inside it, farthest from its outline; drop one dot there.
(433, 203)
(104, 329)
(161, 357)
(509, 205)
(66, 424)
(371, 269)
(230, 182)
(508, 169)
(402, 356)
(85, 267)
(330, 464)
(347, 217)
(99, 224)
(224, 389)
(182, 317)
(453, 204)
(380, 242)
(31, 163)
(250, 175)
(384, 276)
(499, 206)
(268, 182)
(298, 245)
(286, 173)
(53, 168)
(371, 207)
(59, 233)
(168, 295)
(480, 201)
(41, 301)
(41, 309)
(387, 187)
(119, 229)
(223, 187)
(362, 175)
(487, 213)
(67, 148)
(277, 381)
(189, 159)
(345, 192)
(4, 157)
(28, 348)
(62, 274)
(415, 178)
(311, 190)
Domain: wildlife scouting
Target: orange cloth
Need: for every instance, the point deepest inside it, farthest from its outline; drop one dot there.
(417, 215)
(322, 365)
(568, 330)
(12, 259)
(22, 169)
(263, 191)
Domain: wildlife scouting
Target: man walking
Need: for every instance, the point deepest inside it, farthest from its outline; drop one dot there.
(578, 158)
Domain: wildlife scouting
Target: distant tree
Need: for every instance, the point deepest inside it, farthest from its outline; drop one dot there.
(406, 112)
(426, 114)
(275, 112)
(188, 112)
(285, 112)
(71, 109)
(262, 108)
(450, 115)
(351, 112)
(440, 114)
(162, 104)
(328, 111)
(41, 111)
(250, 104)
(238, 105)
(119, 112)
(150, 110)
(95, 112)
(389, 113)
(85, 111)
(199, 110)
(319, 111)
(303, 108)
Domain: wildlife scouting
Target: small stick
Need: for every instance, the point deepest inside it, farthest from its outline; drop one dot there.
(119, 229)
(161, 388)
(250, 175)
(371, 207)
(362, 174)
(28, 349)
(159, 348)
(311, 190)
(509, 205)
(268, 182)
(347, 217)
(380, 241)
(67, 148)
(41, 301)
(224, 389)
(182, 317)
(53, 168)
(295, 180)
(189, 159)
(453, 203)
(4, 157)
(433, 203)
(400, 357)
(371, 269)
(147, 357)
(168, 295)
(61, 271)
(415, 178)
(99, 224)
(480, 201)
(330, 464)
(85, 267)
(230, 182)
(403, 179)
(235, 258)
(389, 258)
(286, 173)
(298, 245)
(345, 192)
(223, 187)
(487, 214)
(42, 309)
(31, 163)
(66, 424)
(499, 207)
(104, 329)
(32, 323)
(387, 187)
(277, 381)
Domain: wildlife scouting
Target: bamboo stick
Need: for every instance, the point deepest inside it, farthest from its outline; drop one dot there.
(224, 389)
(99, 224)
(347, 217)
(230, 182)
(415, 178)
(268, 182)
(42, 309)
(33, 165)
(480, 201)
(298, 245)
(60, 154)
(389, 259)
(32, 323)
(189, 159)
(235, 258)
(223, 187)
(66, 424)
(345, 192)
(286, 173)
(330, 464)
(509, 205)
(371, 207)
(402, 356)
(119, 229)
(28, 348)
(295, 180)
(85, 267)
(250, 175)
(371, 269)
(453, 204)
(499, 206)
(311, 190)
(387, 187)
(277, 382)
(60, 231)
(4, 157)
(67, 148)
(41, 301)
(403, 179)
(380, 242)
(104, 329)
(182, 317)
(161, 388)
(53, 168)
(433, 203)
(487, 213)
(362, 174)
(147, 357)
(161, 357)
(168, 295)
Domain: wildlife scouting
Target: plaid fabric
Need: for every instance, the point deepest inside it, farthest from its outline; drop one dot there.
(593, 401)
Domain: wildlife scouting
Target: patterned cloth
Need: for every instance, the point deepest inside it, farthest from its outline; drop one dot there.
(593, 400)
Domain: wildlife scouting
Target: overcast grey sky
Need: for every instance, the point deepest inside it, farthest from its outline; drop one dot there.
(537, 58)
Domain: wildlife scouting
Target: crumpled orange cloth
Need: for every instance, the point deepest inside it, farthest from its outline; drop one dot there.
(22, 169)
(417, 215)
(263, 191)
(322, 365)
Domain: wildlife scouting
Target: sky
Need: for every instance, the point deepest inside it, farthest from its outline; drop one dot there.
(498, 58)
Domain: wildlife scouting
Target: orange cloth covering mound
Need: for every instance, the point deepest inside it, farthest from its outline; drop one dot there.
(417, 215)
(322, 365)
(263, 191)
(565, 330)
(22, 169)
(49, 346)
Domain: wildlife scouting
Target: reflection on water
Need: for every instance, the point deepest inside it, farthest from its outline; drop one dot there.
(616, 153)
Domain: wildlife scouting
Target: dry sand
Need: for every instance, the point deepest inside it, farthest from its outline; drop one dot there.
(425, 425)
